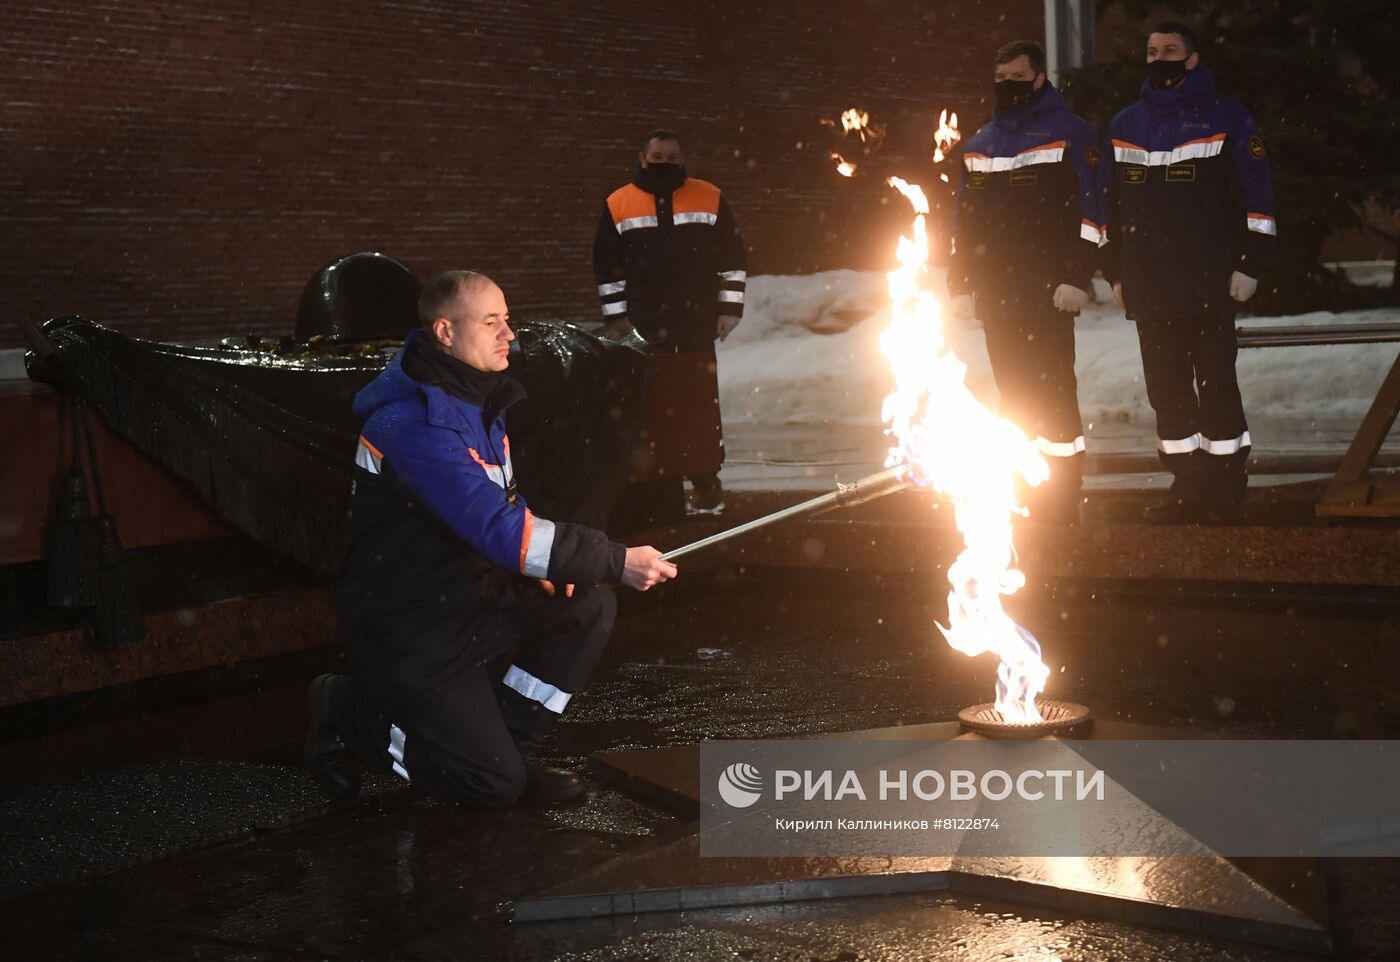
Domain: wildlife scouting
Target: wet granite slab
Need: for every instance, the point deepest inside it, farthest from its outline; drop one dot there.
(1277, 902)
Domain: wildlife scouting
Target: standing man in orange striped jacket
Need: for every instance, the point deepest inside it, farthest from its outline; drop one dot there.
(668, 258)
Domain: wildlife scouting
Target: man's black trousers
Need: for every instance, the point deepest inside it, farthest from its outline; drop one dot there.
(469, 740)
(1032, 353)
(1202, 437)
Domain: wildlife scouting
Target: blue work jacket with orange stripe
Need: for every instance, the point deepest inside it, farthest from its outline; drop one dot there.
(1027, 215)
(1187, 197)
(438, 533)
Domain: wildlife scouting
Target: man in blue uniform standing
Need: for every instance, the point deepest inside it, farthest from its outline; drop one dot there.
(1026, 232)
(446, 567)
(1190, 214)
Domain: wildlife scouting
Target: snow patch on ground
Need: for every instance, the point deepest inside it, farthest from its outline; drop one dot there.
(808, 352)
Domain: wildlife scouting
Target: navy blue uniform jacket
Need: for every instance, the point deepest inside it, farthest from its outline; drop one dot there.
(1188, 199)
(1027, 216)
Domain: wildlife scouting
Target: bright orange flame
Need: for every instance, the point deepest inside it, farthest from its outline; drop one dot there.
(950, 441)
(857, 120)
(945, 137)
(872, 135)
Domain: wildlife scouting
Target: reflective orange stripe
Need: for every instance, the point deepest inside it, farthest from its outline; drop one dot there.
(477, 458)
(525, 538)
(1054, 145)
(373, 450)
(1202, 140)
(630, 201)
(696, 196)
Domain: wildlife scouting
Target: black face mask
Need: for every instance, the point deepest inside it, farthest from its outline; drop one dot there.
(665, 172)
(1164, 74)
(1013, 93)
(661, 178)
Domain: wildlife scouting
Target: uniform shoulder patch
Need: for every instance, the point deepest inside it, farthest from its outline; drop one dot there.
(1256, 147)
(1092, 156)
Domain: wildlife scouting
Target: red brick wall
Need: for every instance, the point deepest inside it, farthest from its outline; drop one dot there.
(179, 170)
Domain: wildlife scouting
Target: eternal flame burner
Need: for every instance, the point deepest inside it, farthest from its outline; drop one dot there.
(1057, 718)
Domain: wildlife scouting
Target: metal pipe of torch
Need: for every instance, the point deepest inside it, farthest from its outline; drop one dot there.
(846, 495)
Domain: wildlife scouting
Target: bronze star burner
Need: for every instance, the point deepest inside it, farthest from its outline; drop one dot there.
(1057, 718)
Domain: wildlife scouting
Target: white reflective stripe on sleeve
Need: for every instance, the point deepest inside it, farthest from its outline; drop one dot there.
(1090, 232)
(734, 275)
(1060, 449)
(1044, 154)
(495, 472)
(1126, 153)
(397, 740)
(612, 287)
(733, 297)
(1230, 446)
(539, 543)
(1180, 446)
(1261, 223)
(536, 690)
(365, 458)
(694, 217)
(616, 307)
(632, 223)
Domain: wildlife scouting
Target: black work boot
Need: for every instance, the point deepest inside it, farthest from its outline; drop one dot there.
(324, 753)
(1226, 490)
(706, 496)
(1185, 502)
(545, 785)
(529, 722)
(1057, 499)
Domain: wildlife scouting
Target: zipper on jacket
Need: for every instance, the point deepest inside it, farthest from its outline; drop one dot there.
(665, 218)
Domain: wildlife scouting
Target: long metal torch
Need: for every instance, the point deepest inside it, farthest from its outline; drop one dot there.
(857, 492)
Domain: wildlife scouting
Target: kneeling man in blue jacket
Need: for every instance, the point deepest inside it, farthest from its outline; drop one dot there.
(447, 568)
